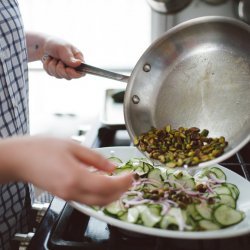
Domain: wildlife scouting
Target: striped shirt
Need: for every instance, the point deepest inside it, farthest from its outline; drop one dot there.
(13, 114)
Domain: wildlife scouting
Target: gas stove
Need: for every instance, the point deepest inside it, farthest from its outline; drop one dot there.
(63, 227)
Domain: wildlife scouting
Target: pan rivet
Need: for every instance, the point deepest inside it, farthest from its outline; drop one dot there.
(135, 99)
(146, 67)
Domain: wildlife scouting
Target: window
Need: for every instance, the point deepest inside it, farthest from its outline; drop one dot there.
(111, 34)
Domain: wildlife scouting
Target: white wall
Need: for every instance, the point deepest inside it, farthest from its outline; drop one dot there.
(112, 34)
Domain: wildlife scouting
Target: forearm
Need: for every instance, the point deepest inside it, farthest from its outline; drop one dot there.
(35, 45)
(7, 160)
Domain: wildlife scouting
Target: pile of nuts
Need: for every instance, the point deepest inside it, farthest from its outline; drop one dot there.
(179, 147)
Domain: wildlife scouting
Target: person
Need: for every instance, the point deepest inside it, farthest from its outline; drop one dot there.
(57, 165)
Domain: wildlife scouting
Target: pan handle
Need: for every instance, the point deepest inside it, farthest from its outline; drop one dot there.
(85, 68)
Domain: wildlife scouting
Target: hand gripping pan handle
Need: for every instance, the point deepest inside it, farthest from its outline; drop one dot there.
(85, 68)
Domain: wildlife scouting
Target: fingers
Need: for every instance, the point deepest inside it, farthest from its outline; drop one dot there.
(92, 158)
(58, 69)
(71, 56)
(101, 190)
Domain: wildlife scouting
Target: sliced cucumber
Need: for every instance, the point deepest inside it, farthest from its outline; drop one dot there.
(172, 180)
(200, 215)
(168, 221)
(218, 172)
(122, 170)
(181, 182)
(208, 225)
(147, 167)
(191, 211)
(131, 216)
(222, 190)
(155, 174)
(114, 208)
(140, 171)
(234, 190)
(227, 216)
(115, 160)
(204, 210)
(149, 215)
(227, 200)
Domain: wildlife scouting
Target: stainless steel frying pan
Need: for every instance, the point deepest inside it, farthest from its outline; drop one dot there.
(196, 74)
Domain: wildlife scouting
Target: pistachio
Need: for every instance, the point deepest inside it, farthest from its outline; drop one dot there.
(182, 146)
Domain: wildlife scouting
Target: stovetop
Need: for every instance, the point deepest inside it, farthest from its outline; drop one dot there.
(63, 227)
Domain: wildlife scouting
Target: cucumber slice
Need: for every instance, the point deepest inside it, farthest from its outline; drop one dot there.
(168, 221)
(227, 200)
(140, 171)
(115, 160)
(149, 217)
(155, 174)
(204, 210)
(114, 208)
(184, 182)
(227, 216)
(146, 167)
(234, 190)
(222, 190)
(131, 216)
(208, 225)
(191, 211)
(172, 179)
(123, 170)
(218, 172)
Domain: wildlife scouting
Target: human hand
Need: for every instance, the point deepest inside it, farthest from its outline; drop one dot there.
(61, 167)
(60, 58)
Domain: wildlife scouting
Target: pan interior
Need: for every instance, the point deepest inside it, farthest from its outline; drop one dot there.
(199, 76)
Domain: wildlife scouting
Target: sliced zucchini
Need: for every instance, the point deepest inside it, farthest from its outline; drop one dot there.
(227, 216)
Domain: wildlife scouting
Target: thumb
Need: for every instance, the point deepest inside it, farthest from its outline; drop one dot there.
(72, 57)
